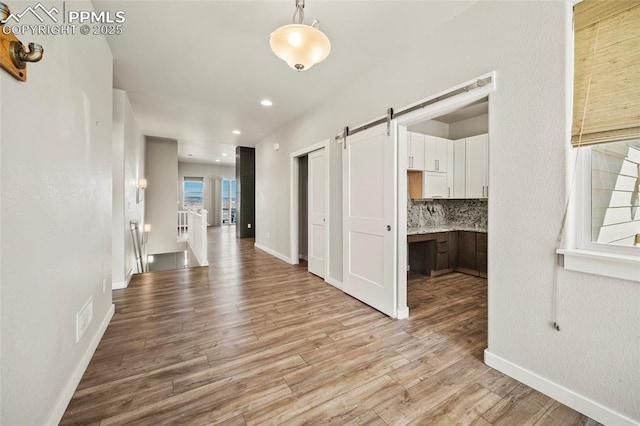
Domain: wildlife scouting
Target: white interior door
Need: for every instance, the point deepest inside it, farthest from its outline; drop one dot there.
(316, 213)
(369, 209)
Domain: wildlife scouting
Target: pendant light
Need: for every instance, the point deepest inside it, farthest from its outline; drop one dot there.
(300, 46)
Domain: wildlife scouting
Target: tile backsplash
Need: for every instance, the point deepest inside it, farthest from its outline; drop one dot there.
(446, 212)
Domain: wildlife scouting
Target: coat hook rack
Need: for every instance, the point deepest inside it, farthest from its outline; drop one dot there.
(13, 55)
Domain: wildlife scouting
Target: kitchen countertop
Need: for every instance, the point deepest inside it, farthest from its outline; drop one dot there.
(444, 228)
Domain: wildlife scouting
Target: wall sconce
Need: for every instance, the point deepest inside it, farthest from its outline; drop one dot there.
(142, 185)
(14, 57)
(145, 234)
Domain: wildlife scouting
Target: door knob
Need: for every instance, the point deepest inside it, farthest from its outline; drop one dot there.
(388, 227)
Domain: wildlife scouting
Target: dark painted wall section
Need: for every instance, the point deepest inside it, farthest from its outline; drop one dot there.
(246, 192)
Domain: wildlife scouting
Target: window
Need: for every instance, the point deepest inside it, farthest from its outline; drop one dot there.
(606, 133)
(193, 193)
(615, 212)
(229, 201)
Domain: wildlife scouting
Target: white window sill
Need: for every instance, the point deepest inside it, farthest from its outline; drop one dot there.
(605, 264)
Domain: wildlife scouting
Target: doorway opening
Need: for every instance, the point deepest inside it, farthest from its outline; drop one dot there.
(443, 181)
(309, 230)
(228, 192)
(303, 208)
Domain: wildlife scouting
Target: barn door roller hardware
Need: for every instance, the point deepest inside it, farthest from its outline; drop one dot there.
(13, 55)
(391, 114)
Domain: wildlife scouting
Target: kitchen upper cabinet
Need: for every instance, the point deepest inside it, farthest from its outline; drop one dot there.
(477, 167)
(436, 153)
(434, 185)
(459, 168)
(416, 151)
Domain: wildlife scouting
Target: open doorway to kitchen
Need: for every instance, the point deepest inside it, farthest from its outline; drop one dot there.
(447, 204)
(444, 163)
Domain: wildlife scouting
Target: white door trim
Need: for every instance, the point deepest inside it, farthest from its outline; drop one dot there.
(402, 122)
(294, 220)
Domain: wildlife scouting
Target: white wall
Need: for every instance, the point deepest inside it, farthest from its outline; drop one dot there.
(431, 127)
(161, 195)
(596, 354)
(128, 168)
(56, 222)
(208, 172)
(470, 127)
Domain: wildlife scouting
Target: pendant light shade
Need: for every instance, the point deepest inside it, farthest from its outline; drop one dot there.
(300, 46)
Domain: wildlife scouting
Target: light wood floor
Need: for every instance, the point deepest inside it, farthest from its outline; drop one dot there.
(252, 340)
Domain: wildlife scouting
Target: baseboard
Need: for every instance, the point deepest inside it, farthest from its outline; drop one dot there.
(123, 284)
(273, 253)
(403, 313)
(566, 396)
(76, 376)
(337, 284)
(119, 285)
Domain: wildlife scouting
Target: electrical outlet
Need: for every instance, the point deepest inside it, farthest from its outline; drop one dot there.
(408, 268)
(104, 286)
(268, 235)
(249, 225)
(84, 318)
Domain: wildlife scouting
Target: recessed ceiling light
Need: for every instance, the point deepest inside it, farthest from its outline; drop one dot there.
(217, 160)
(236, 132)
(224, 154)
(266, 102)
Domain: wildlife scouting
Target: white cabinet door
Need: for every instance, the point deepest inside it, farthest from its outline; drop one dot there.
(477, 170)
(369, 192)
(430, 153)
(450, 169)
(434, 185)
(436, 153)
(459, 168)
(443, 147)
(416, 151)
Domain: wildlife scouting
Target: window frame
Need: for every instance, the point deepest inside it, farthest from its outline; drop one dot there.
(582, 254)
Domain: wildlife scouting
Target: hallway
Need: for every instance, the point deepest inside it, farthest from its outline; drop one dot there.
(251, 340)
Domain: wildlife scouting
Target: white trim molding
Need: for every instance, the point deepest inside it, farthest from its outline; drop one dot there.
(599, 263)
(123, 284)
(571, 399)
(273, 253)
(76, 376)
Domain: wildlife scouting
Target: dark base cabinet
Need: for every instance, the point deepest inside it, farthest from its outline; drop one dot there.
(481, 254)
(467, 252)
(445, 252)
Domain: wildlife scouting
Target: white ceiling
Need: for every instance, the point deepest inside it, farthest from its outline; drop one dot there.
(196, 70)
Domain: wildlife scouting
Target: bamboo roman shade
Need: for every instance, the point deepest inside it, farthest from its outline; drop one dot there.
(606, 98)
